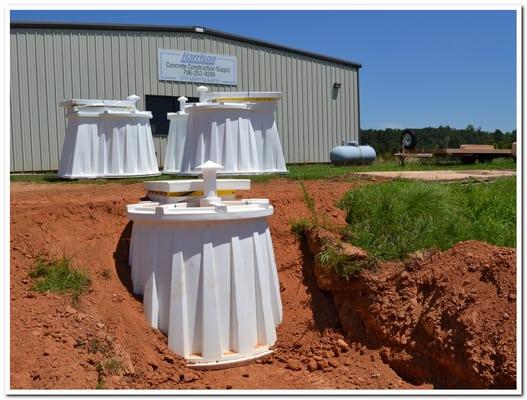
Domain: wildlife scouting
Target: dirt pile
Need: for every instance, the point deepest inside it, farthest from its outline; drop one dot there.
(442, 317)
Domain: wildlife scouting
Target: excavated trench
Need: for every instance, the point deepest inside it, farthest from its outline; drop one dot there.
(446, 318)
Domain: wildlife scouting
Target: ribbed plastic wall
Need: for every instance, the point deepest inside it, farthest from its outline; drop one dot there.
(109, 140)
(240, 135)
(211, 287)
(177, 133)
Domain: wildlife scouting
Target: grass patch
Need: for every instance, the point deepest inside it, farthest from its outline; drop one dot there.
(310, 203)
(112, 366)
(51, 177)
(321, 171)
(99, 368)
(58, 276)
(96, 346)
(300, 226)
(393, 219)
(296, 172)
(332, 257)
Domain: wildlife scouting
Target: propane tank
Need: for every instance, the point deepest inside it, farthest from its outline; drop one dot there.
(352, 153)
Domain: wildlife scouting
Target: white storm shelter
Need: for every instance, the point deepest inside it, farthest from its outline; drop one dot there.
(107, 139)
(205, 266)
(235, 129)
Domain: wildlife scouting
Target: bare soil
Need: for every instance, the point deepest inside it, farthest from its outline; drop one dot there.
(442, 317)
(105, 342)
(443, 176)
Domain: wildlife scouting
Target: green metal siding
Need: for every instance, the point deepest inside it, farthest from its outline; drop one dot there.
(50, 65)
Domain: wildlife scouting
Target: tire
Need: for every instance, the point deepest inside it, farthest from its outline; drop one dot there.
(408, 139)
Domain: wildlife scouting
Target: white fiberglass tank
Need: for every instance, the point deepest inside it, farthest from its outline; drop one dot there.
(235, 129)
(177, 133)
(107, 139)
(207, 272)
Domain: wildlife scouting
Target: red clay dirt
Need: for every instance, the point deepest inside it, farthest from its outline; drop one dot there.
(104, 341)
(441, 317)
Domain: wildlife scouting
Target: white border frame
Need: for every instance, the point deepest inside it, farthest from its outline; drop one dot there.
(268, 5)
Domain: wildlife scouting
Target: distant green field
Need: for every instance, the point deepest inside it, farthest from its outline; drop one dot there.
(296, 172)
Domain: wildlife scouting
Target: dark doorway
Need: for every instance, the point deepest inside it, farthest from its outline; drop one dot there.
(160, 106)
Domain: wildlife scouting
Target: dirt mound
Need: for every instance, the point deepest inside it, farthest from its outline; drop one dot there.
(442, 317)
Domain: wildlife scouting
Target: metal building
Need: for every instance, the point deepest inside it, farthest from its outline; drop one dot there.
(51, 62)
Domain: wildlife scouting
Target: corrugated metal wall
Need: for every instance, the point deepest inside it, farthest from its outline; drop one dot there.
(49, 65)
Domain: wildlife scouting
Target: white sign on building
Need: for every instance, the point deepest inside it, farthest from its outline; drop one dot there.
(186, 66)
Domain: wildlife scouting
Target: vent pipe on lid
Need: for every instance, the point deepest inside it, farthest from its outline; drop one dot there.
(210, 186)
(182, 103)
(202, 90)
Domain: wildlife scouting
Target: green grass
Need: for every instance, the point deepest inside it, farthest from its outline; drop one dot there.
(296, 172)
(112, 366)
(300, 226)
(332, 257)
(309, 202)
(392, 219)
(99, 368)
(97, 346)
(51, 177)
(321, 171)
(59, 277)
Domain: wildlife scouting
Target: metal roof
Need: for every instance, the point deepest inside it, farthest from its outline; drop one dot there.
(183, 29)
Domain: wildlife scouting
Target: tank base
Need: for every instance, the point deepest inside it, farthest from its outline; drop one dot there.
(227, 173)
(228, 360)
(115, 176)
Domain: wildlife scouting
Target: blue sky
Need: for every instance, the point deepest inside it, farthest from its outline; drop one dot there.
(420, 68)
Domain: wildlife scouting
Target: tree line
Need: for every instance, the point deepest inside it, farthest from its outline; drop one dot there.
(388, 141)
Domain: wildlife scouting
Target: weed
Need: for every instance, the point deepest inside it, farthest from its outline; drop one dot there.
(310, 203)
(112, 366)
(332, 257)
(100, 376)
(59, 277)
(300, 226)
(96, 346)
(393, 219)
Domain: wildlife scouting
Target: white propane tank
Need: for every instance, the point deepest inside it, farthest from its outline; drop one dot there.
(206, 269)
(107, 139)
(352, 153)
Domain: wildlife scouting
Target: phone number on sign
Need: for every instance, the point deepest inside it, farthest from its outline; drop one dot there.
(199, 73)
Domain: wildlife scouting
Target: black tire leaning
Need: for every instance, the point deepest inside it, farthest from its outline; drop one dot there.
(409, 137)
